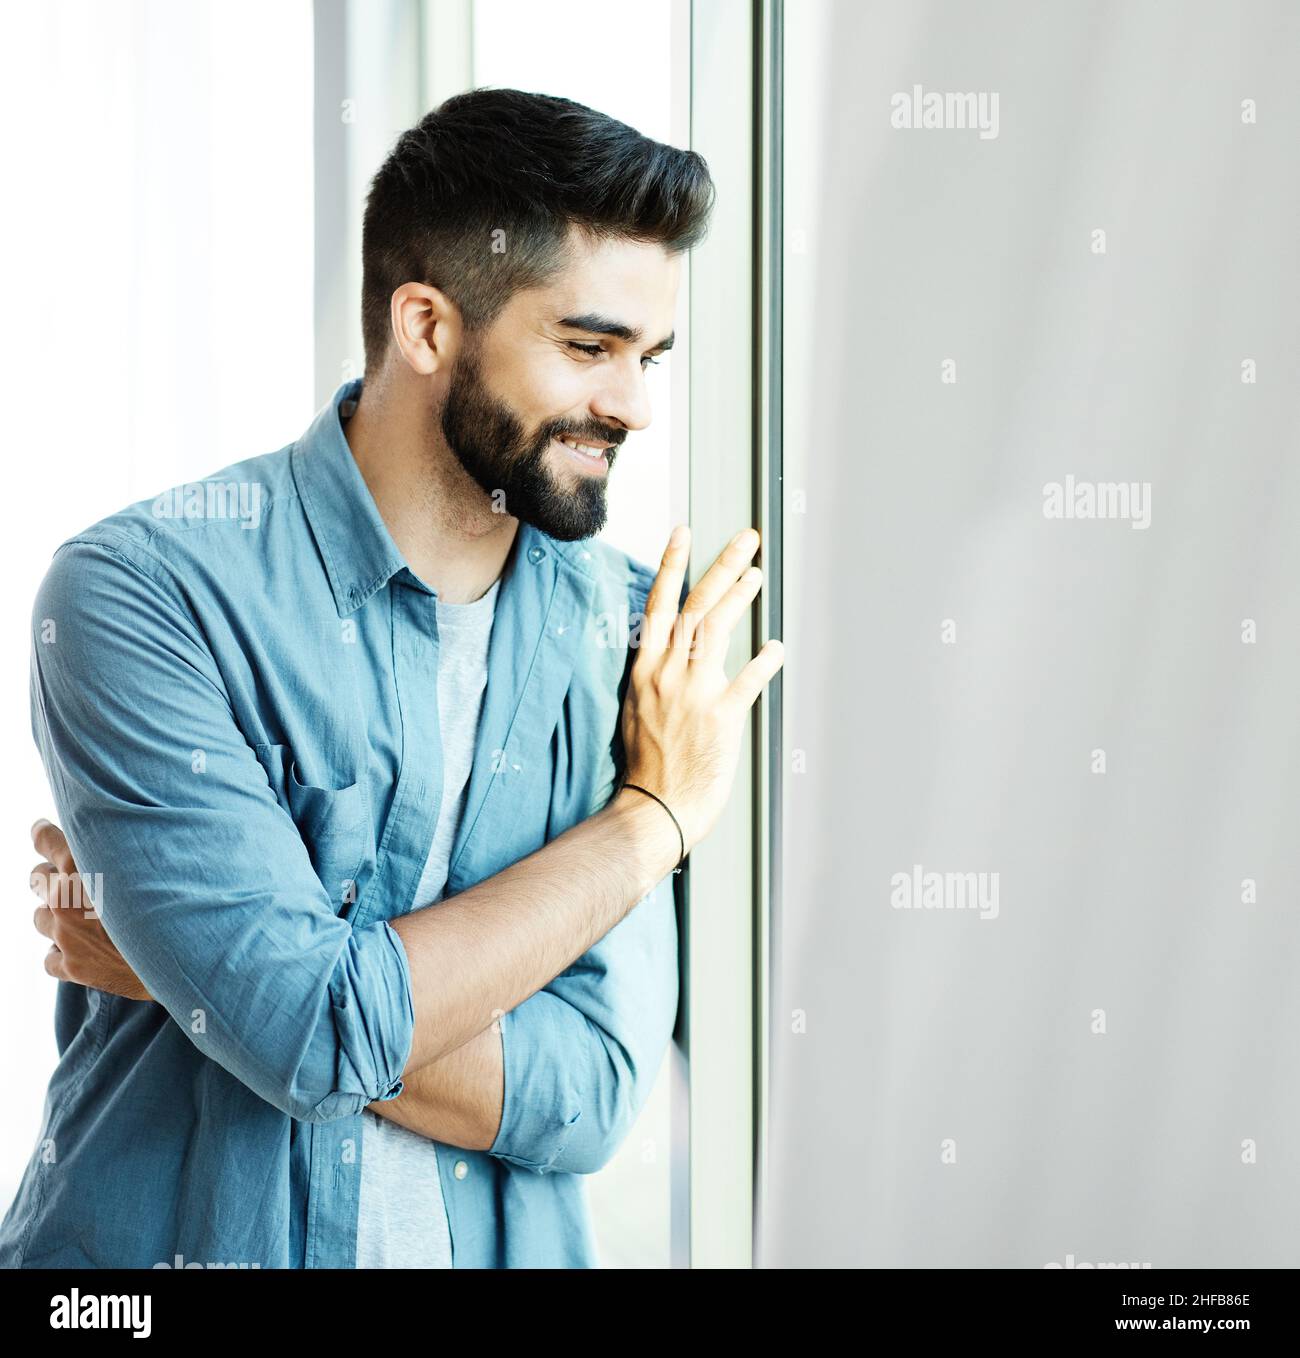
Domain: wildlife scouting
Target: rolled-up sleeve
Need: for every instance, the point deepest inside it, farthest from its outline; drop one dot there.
(581, 1055)
(200, 876)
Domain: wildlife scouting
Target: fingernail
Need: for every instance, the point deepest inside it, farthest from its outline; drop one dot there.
(678, 536)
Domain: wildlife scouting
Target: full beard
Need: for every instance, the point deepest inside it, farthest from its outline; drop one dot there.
(491, 444)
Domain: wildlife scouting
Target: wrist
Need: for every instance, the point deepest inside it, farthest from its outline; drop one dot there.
(648, 833)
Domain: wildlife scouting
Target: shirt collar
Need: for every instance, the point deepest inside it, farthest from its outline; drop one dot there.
(355, 544)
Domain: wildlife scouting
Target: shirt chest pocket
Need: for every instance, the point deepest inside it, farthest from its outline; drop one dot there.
(333, 820)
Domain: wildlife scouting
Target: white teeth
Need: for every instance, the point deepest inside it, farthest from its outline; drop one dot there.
(585, 448)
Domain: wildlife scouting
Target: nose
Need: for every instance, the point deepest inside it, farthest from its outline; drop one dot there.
(622, 396)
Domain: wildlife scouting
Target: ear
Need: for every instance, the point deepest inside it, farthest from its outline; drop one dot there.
(428, 329)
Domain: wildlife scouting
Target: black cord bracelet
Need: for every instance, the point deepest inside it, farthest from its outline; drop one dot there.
(636, 787)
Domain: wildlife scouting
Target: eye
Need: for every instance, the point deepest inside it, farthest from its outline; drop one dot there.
(598, 350)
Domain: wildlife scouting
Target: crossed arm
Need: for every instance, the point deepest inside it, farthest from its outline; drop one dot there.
(460, 1099)
(456, 1099)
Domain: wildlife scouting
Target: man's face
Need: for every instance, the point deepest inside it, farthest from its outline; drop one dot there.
(561, 364)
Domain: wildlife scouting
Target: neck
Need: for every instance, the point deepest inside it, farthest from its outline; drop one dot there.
(441, 519)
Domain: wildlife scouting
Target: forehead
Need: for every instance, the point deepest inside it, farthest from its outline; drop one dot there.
(633, 281)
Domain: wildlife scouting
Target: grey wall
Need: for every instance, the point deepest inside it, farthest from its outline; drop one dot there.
(910, 501)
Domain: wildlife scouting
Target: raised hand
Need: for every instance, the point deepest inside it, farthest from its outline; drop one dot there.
(682, 717)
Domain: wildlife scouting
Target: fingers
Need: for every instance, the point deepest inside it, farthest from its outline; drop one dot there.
(49, 840)
(56, 965)
(719, 578)
(61, 890)
(43, 919)
(42, 879)
(713, 635)
(54, 888)
(751, 681)
(662, 628)
(661, 605)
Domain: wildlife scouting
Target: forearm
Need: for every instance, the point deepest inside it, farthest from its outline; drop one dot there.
(456, 1099)
(486, 950)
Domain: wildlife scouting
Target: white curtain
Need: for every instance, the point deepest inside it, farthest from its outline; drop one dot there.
(1095, 717)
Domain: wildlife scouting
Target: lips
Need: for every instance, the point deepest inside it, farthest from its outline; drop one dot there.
(593, 449)
(596, 462)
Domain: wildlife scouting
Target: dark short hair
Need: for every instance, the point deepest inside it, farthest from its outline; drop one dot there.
(527, 166)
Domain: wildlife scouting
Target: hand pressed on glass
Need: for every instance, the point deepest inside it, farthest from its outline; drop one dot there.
(683, 717)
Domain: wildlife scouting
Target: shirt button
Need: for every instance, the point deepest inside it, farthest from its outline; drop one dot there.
(460, 1169)
(535, 554)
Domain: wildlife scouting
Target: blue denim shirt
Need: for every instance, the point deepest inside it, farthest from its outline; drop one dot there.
(233, 692)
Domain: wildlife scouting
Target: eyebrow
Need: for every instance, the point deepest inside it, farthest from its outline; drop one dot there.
(596, 324)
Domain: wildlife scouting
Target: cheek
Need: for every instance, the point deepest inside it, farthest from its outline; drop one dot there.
(556, 390)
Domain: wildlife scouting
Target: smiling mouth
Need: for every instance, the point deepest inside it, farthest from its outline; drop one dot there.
(591, 457)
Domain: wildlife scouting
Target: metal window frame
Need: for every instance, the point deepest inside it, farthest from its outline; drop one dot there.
(769, 489)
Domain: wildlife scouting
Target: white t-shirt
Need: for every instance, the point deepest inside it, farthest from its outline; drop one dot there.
(402, 1219)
